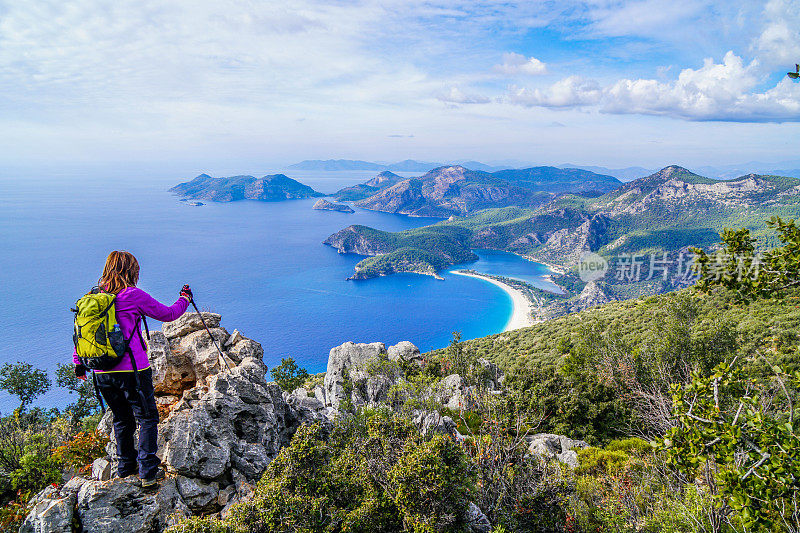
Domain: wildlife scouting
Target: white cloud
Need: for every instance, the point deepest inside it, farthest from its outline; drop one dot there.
(779, 42)
(456, 96)
(717, 91)
(514, 63)
(573, 91)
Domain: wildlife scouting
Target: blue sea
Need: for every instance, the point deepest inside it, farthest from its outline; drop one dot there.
(261, 265)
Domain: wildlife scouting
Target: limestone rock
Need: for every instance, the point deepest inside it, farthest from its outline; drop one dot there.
(404, 351)
(218, 431)
(198, 495)
(101, 469)
(377, 389)
(173, 371)
(431, 422)
(319, 394)
(50, 513)
(451, 392)
(347, 362)
(122, 505)
(243, 349)
(239, 421)
(234, 338)
(188, 323)
(552, 446)
(476, 520)
(198, 348)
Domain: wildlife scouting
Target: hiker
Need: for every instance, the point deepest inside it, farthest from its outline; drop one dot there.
(126, 382)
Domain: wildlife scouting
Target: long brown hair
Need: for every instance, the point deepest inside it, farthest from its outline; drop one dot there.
(121, 271)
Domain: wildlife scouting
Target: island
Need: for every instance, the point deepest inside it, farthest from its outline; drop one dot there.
(330, 206)
(270, 188)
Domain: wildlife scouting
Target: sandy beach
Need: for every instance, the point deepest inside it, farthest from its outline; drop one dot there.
(522, 307)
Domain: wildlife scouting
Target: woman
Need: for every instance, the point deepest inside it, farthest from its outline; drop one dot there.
(133, 403)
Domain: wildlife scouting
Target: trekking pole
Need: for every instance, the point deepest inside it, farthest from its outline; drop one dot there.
(210, 335)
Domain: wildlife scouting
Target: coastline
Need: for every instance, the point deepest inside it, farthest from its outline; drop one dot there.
(522, 308)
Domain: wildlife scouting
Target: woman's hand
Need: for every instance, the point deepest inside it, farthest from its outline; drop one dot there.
(186, 292)
(80, 372)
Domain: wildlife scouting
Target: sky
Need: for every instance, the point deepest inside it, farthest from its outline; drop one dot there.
(266, 83)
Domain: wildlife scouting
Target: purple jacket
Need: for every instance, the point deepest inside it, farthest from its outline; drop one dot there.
(131, 303)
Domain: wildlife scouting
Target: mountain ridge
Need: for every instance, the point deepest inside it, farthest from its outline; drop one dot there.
(457, 190)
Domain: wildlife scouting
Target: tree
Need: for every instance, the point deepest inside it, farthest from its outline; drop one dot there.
(23, 381)
(86, 404)
(288, 375)
(740, 267)
(745, 449)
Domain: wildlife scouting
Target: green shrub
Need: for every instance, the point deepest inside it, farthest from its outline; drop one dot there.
(431, 485)
(372, 472)
(288, 375)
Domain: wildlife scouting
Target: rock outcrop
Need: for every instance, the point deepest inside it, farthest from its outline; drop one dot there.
(551, 446)
(221, 424)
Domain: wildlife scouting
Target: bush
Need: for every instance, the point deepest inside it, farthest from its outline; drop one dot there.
(431, 485)
(288, 375)
(80, 451)
(372, 472)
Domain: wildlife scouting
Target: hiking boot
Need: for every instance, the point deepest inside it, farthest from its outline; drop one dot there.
(153, 481)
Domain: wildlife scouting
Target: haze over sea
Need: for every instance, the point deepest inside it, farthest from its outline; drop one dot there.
(261, 265)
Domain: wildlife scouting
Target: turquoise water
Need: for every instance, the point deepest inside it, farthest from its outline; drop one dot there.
(261, 265)
(511, 266)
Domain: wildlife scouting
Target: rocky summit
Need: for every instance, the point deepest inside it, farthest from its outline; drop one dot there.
(222, 423)
(219, 430)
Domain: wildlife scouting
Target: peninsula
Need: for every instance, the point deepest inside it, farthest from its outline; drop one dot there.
(325, 205)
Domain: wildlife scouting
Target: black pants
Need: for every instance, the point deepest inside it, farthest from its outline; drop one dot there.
(132, 406)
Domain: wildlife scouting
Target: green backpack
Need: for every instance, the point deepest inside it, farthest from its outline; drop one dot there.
(98, 339)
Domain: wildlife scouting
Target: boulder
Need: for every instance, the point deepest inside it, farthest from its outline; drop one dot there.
(189, 322)
(244, 348)
(122, 505)
(451, 392)
(198, 495)
(346, 362)
(476, 520)
(432, 422)
(51, 511)
(377, 389)
(198, 348)
(319, 394)
(239, 420)
(405, 351)
(173, 371)
(234, 338)
(101, 469)
(552, 446)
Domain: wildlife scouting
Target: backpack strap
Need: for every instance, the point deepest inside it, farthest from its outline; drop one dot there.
(97, 393)
(137, 329)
